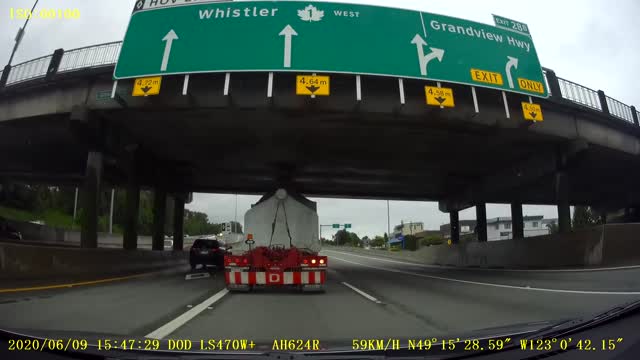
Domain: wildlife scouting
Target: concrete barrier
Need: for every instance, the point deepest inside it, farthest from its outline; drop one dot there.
(609, 245)
(18, 261)
(35, 232)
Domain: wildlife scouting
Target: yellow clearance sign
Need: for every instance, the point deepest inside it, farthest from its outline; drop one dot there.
(532, 112)
(312, 85)
(439, 96)
(487, 77)
(147, 86)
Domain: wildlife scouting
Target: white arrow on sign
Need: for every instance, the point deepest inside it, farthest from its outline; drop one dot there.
(425, 59)
(513, 62)
(287, 32)
(171, 35)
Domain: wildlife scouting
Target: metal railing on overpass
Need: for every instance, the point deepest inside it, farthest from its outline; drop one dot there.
(101, 55)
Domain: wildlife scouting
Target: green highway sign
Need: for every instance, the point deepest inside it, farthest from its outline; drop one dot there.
(509, 24)
(168, 37)
(336, 226)
(347, 226)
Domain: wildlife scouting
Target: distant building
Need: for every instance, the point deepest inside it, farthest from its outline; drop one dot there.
(410, 228)
(466, 227)
(500, 228)
(428, 233)
(404, 229)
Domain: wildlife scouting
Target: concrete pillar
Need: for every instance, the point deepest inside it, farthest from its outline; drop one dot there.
(91, 200)
(562, 197)
(130, 241)
(178, 223)
(455, 227)
(159, 211)
(517, 221)
(481, 222)
(602, 97)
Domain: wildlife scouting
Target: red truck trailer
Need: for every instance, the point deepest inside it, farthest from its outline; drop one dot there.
(281, 247)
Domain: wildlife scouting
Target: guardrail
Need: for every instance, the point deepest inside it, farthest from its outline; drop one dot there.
(107, 55)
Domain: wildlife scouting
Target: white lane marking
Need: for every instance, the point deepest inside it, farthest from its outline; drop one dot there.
(586, 292)
(172, 325)
(196, 276)
(627, 267)
(369, 297)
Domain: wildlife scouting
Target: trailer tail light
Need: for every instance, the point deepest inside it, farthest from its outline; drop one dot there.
(314, 261)
(228, 260)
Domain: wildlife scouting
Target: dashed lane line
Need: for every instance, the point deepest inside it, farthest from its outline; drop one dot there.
(563, 291)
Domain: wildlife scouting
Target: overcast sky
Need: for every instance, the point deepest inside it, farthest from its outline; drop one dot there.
(594, 43)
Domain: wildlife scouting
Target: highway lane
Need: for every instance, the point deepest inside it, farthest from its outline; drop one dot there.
(380, 299)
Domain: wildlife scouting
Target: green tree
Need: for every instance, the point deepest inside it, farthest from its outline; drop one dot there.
(432, 240)
(584, 217)
(342, 237)
(553, 227)
(378, 241)
(354, 240)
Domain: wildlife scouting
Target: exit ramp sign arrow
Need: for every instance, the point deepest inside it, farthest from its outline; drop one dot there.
(183, 37)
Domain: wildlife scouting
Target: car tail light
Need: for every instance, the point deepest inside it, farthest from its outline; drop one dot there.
(214, 250)
(245, 261)
(321, 261)
(313, 261)
(305, 261)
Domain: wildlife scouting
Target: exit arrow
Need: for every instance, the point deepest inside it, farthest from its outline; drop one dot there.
(425, 59)
(171, 35)
(313, 88)
(440, 99)
(513, 62)
(145, 89)
(287, 32)
(533, 114)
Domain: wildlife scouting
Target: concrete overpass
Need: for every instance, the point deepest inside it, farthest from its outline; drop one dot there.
(63, 120)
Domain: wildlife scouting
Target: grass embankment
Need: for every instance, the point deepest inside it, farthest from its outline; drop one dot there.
(53, 218)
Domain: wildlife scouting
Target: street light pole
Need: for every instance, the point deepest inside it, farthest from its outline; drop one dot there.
(21, 34)
(388, 223)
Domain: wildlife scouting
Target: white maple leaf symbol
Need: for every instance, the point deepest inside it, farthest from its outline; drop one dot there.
(310, 13)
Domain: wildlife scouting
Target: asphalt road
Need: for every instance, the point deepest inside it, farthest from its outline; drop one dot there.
(366, 297)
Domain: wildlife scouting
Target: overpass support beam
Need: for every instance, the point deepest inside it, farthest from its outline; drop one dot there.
(130, 241)
(562, 197)
(159, 212)
(455, 227)
(517, 221)
(481, 222)
(91, 200)
(178, 223)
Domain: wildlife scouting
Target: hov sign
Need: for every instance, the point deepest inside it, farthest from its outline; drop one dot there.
(167, 37)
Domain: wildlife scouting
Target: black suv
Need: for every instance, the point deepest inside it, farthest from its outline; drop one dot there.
(207, 252)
